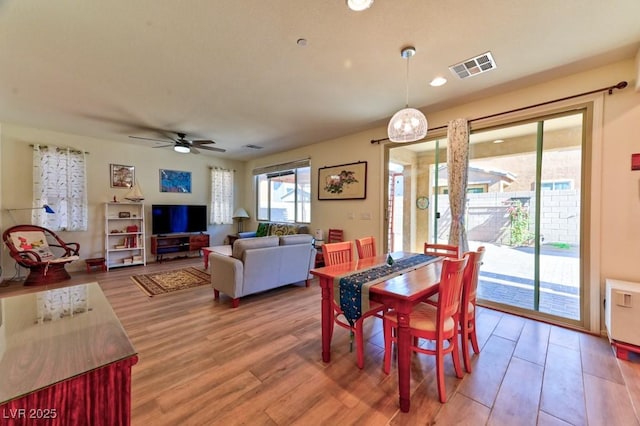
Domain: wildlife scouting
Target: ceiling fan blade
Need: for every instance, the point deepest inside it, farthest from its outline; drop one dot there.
(211, 148)
(149, 139)
(163, 146)
(202, 142)
(194, 150)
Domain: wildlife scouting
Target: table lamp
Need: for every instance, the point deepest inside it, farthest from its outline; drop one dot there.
(240, 214)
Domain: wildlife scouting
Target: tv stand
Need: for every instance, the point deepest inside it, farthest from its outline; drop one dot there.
(178, 243)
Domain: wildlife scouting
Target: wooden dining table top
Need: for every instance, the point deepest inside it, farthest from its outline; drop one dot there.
(410, 285)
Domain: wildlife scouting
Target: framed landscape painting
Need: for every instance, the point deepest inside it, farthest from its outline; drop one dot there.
(175, 181)
(122, 176)
(343, 182)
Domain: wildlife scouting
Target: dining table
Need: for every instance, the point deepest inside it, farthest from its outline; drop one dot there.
(400, 292)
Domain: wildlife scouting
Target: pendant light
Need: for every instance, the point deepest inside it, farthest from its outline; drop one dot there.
(408, 124)
(359, 5)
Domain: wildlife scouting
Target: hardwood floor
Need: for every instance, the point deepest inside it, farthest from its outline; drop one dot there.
(201, 362)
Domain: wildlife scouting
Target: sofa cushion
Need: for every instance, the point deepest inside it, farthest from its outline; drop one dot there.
(240, 245)
(287, 240)
(280, 229)
(263, 229)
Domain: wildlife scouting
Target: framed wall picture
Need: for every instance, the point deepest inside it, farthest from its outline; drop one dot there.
(343, 182)
(175, 181)
(122, 176)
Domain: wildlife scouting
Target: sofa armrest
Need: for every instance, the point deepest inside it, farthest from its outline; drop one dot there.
(227, 274)
(248, 234)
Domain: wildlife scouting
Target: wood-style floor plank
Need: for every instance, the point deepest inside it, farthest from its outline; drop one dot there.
(202, 362)
(608, 402)
(562, 389)
(519, 396)
(532, 344)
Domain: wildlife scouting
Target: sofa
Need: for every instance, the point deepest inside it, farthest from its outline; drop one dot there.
(261, 263)
(266, 229)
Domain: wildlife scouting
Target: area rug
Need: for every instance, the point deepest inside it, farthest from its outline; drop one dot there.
(169, 281)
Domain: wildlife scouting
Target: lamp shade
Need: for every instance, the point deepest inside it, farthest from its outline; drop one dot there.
(240, 213)
(407, 125)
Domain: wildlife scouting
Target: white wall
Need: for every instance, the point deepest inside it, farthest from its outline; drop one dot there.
(16, 182)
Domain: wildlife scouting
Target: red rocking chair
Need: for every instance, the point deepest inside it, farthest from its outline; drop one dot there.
(32, 247)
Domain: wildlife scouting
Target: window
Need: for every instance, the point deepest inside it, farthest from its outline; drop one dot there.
(221, 208)
(471, 189)
(556, 185)
(283, 192)
(60, 181)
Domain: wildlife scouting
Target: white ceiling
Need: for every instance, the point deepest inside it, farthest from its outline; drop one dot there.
(231, 71)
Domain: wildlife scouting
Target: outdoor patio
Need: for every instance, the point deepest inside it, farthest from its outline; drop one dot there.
(506, 277)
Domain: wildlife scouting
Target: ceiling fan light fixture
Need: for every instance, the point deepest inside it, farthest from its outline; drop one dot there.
(408, 124)
(359, 5)
(182, 149)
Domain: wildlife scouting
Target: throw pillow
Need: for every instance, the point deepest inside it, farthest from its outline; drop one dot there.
(32, 241)
(263, 229)
(281, 229)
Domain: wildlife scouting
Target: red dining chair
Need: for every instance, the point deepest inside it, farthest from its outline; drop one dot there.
(468, 305)
(336, 253)
(438, 323)
(335, 236)
(366, 247)
(441, 250)
(444, 250)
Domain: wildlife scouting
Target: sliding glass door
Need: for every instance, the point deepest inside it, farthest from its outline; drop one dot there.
(528, 213)
(524, 204)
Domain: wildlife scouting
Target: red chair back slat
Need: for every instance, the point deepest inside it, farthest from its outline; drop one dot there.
(336, 253)
(366, 247)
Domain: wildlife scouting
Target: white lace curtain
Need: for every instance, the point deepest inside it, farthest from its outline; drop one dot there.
(60, 181)
(458, 165)
(221, 211)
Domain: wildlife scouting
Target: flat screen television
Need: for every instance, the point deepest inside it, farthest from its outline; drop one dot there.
(178, 218)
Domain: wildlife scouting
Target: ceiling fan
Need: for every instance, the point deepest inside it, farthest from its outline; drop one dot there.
(183, 145)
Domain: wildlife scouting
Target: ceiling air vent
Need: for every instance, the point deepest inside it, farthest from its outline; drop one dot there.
(474, 66)
(253, 146)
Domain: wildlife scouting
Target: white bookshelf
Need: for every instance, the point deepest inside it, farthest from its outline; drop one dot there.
(124, 241)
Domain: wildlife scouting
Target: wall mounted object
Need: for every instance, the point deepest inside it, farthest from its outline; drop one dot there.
(343, 182)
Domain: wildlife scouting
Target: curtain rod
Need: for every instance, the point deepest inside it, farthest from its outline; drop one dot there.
(60, 147)
(221, 168)
(609, 89)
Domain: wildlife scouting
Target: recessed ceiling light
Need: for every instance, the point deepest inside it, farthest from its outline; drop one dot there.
(359, 5)
(438, 81)
(302, 42)
(498, 141)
